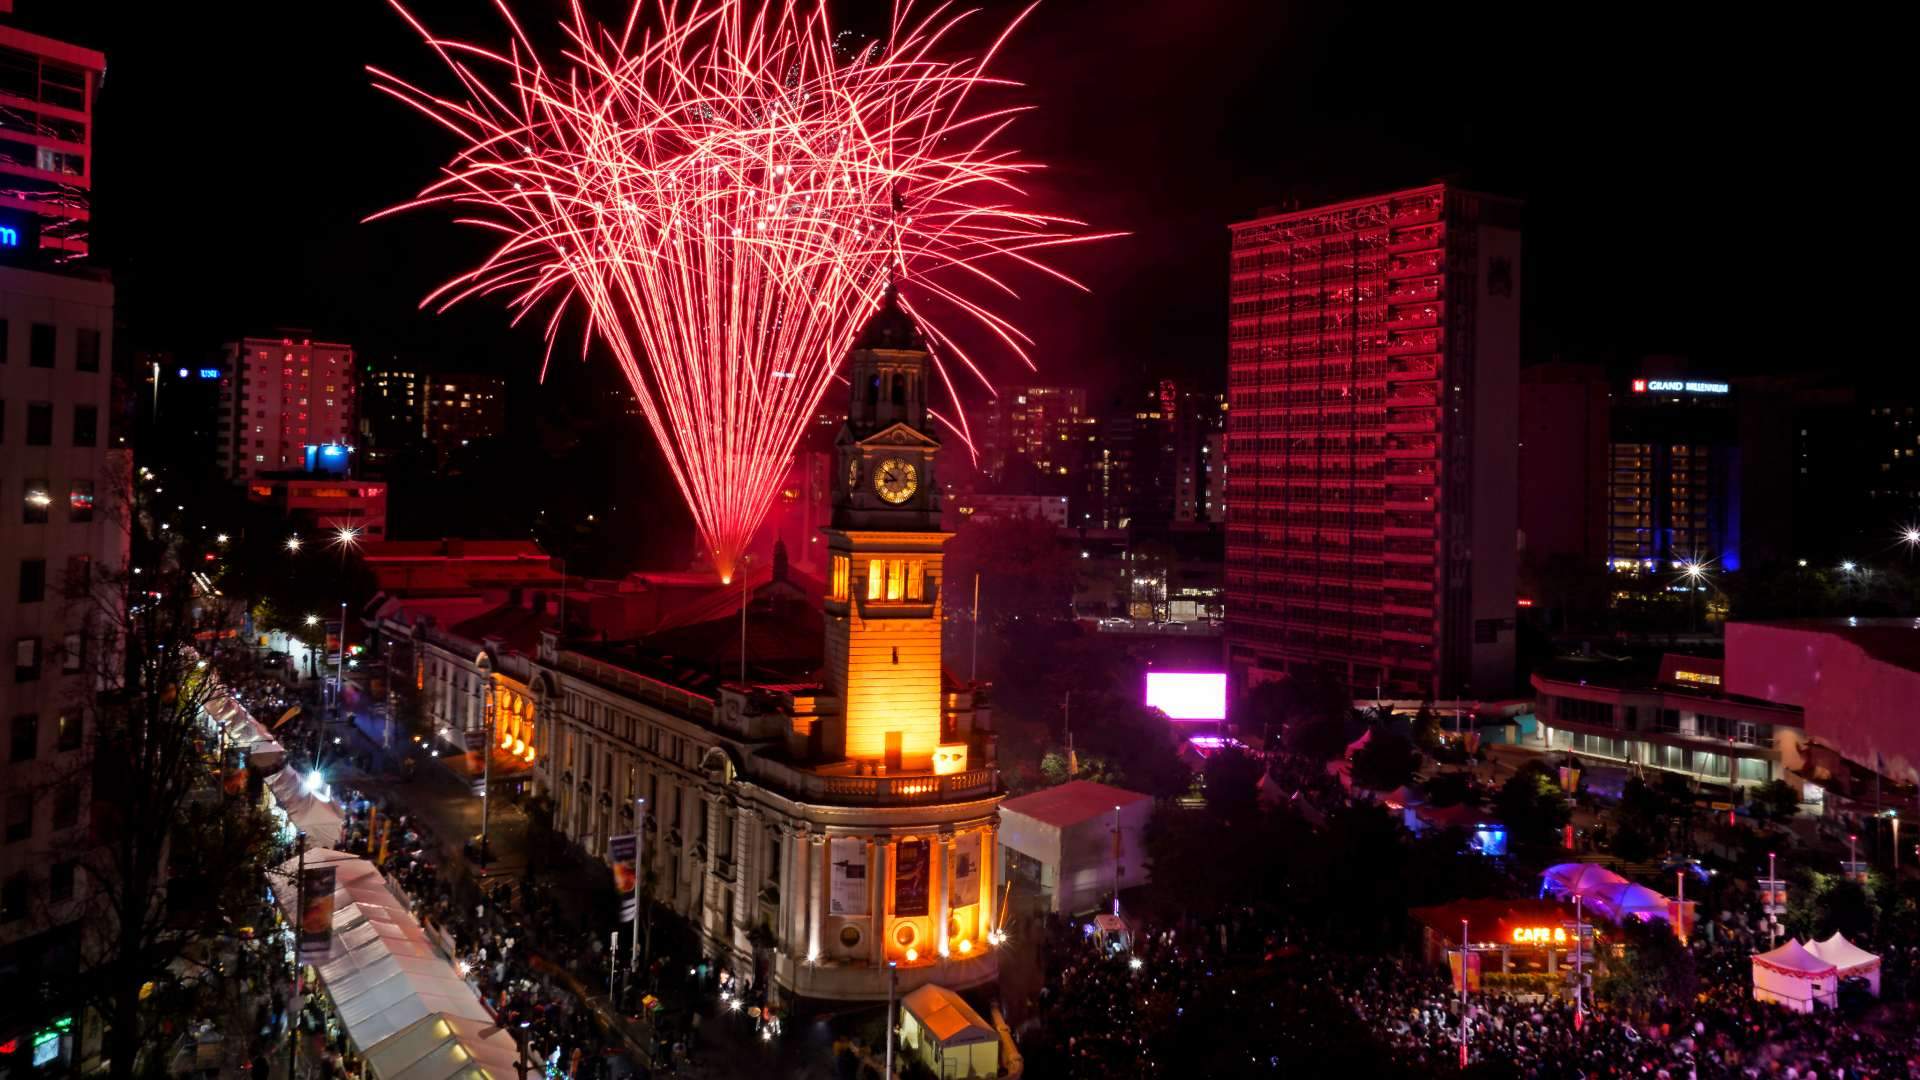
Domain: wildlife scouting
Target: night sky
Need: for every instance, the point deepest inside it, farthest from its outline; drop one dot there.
(1668, 166)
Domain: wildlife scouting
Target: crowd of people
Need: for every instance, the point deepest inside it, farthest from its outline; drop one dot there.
(1415, 1010)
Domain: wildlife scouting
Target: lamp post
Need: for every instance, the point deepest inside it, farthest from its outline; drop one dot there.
(1465, 952)
(1773, 920)
(1895, 816)
(893, 987)
(1579, 964)
(340, 668)
(639, 871)
(488, 713)
(1693, 573)
(299, 918)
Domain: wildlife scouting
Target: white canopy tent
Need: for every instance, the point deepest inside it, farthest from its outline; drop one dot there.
(403, 1005)
(1793, 977)
(307, 811)
(1849, 960)
(239, 728)
(1567, 879)
(442, 1048)
(947, 1035)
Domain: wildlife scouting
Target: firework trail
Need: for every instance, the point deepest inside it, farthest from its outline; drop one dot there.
(728, 192)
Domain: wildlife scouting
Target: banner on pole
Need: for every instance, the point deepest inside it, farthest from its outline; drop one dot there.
(965, 889)
(910, 878)
(624, 853)
(316, 909)
(848, 894)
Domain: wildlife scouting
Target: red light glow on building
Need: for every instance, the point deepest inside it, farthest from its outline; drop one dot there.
(1373, 380)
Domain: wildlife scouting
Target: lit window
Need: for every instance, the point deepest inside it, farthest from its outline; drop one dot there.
(842, 566)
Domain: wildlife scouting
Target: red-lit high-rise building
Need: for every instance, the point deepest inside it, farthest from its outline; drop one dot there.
(1371, 442)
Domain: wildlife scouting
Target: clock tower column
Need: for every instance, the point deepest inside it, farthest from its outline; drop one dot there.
(884, 546)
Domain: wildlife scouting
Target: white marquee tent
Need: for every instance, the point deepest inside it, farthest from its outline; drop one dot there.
(1793, 977)
(318, 817)
(1850, 960)
(947, 1035)
(405, 1008)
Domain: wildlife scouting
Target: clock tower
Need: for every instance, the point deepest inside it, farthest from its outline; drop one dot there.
(884, 549)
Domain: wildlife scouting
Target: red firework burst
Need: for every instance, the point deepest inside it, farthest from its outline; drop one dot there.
(728, 194)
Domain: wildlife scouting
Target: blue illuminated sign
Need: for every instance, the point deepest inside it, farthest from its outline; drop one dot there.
(209, 372)
(328, 458)
(9, 236)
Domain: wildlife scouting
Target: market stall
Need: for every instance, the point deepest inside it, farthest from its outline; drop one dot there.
(1793, 977)
(939, 1028)
(443, 1047)
(1850, 961)
(307, 806)
(403, 1007)
(1508, 937)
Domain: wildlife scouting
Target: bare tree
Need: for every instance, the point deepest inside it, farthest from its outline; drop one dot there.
(172, 853)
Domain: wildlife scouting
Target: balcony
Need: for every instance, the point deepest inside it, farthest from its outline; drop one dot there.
(1409, 554)
(1423, 238)
(1413, 315)
(1405, 419)
(1416, 341)
(1412, 367)
(1416, 446)
(837, 786)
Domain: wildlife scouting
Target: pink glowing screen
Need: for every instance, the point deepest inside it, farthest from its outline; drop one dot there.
(1188, 695)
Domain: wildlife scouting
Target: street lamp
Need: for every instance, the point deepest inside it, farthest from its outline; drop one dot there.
(293, 543)
(346, 538)
(1693, 573)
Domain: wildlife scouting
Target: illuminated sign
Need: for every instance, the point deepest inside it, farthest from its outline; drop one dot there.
(1539, 935)
(209, 372)
(1698, 678)
(1188, 695)
(1678, 386)
(328, 458)
(9, 236)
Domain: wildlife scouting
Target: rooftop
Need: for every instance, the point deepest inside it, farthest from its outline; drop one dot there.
(1891, 640)
(1072, 802)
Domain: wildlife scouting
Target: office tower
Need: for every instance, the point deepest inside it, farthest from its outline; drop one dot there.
(59, 534)
(1373, 358)
(462, 407)
(47, 91)
(280, 395)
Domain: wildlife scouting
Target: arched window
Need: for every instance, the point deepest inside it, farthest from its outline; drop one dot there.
(873, 391)
(900, 390)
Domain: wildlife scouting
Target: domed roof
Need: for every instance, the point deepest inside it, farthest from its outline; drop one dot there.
(891, 328)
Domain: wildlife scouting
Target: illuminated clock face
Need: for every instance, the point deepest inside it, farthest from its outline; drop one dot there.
(896, 480)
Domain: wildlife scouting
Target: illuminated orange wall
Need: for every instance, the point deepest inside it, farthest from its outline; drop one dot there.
(893, 675)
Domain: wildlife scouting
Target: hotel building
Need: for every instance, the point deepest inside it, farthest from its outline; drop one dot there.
(1371, 441)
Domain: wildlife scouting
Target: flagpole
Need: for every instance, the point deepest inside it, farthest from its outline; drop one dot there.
(639, 871)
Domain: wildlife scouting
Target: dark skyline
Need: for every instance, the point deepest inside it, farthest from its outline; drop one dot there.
(239, 147)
